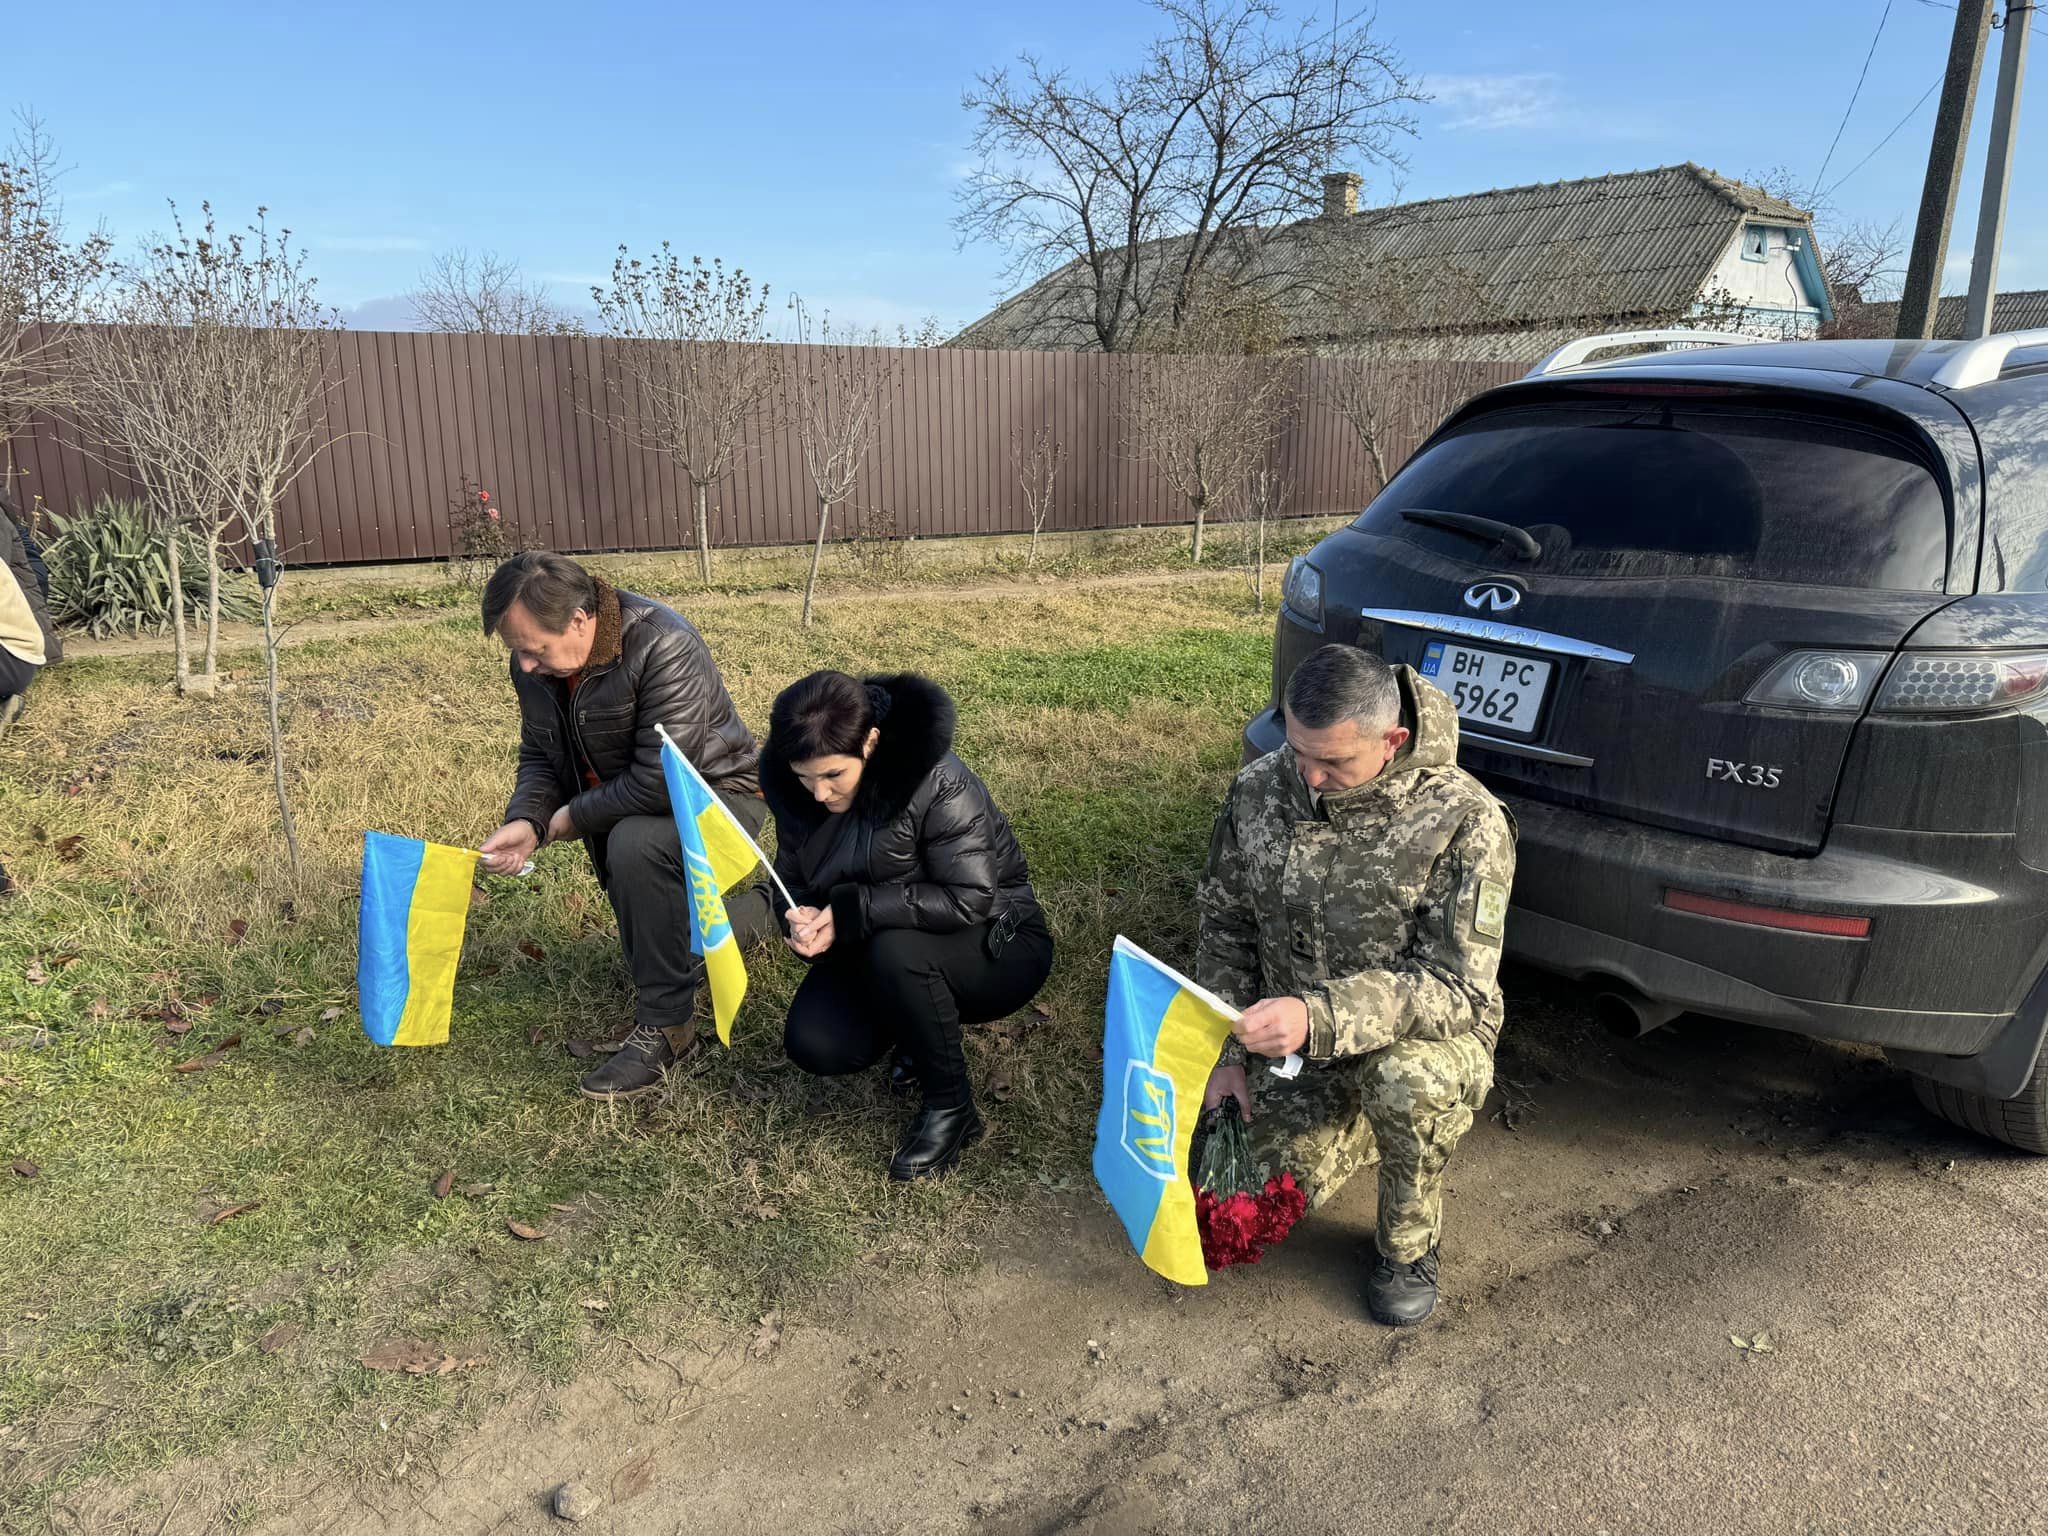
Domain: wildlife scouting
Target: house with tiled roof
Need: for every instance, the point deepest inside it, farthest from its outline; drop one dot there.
(1505, 275)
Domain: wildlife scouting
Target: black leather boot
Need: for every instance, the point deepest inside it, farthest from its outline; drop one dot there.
(1401, 1295)
(934, 1142)
(635, 1068)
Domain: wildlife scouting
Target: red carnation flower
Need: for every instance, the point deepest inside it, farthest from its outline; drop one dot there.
(1237, 1222)
(483, 495)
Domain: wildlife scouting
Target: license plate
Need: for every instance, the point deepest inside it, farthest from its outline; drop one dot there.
(1489, 688)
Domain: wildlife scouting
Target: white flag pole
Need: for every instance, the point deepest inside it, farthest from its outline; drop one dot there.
(1290, 1067)
(726, 811)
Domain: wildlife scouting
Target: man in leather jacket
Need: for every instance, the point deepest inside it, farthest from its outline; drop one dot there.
(596, 670)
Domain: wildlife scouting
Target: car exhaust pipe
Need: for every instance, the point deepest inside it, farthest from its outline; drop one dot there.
(1627, 1013)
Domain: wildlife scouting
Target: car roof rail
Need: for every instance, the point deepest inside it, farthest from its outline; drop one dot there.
(1980, 361)
(1574, 353)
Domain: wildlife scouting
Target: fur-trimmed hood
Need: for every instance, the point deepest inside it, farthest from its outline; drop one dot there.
(916, 736)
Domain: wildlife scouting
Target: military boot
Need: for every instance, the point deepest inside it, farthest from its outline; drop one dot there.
(1401, 1295)
(635, 1068)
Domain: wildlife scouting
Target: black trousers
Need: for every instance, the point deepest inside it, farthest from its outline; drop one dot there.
(14, 674)
(640, 865)
(902, 989)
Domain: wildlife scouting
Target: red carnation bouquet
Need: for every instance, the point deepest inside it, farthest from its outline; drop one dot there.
(1238, 1219)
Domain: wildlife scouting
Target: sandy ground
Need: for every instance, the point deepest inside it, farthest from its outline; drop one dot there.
(1658, 1197)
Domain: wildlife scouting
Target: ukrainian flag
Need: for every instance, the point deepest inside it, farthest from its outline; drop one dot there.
(415, 908)
(1161, 1037)
(718, 855)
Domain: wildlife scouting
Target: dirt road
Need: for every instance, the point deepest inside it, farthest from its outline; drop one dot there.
(1658, 1197)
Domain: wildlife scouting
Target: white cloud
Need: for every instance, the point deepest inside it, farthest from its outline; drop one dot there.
(373, 244)
(1489, 103)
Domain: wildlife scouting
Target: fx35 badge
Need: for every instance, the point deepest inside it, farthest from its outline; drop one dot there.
(1749, 775)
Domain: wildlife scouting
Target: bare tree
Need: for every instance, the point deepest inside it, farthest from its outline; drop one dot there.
(1263, 497)
(484, 293)
(698, 372)
(838, 386)
(46, 277)
(1398, 371)
(1206, 413)
(1170, 178)
(1036, 457)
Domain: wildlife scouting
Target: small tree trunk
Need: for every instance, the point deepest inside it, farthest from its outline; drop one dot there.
(284, 804)
(1259, 585)
(703, 535)
(212, 600)
(179, 650)
(817, 556)
(1037, 522)
(1200, 510)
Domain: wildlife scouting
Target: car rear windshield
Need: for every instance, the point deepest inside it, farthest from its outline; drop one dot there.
(1664, 491)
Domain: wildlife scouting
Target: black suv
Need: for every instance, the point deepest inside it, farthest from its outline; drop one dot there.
(1753, 641)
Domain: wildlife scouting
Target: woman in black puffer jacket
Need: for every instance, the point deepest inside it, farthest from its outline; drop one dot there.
(913, 901)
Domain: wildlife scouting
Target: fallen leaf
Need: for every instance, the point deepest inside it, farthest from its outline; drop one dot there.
(283, 1031)
(304, 1037)
(100, 1009)
(444, 1185)
(71, 849)
(238, 930)
(229, 1213)
(579, 1049)
(329, 1015)
(634, 1478)
(473, 1190)
(533, 1035)
(532, 951)
(767, 1337)
(595, 1304)
(523, 1232)
(279, 1337)
(177, 1026)
(478, 897)
(270, 1007)
(1000, 1087)
(401, 1354)
(212, 1058)
(205, 1000)
(444, 1365)
(65, 962)
(1041, 1010)
(26, 1169)
(35, 975)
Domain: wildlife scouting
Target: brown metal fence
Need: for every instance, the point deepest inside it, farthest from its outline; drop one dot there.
(530, 419)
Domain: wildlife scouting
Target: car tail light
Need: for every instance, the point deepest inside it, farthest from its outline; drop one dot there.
(1962, 682)
(1831, 925)
(1834, 681)
(1303, 590)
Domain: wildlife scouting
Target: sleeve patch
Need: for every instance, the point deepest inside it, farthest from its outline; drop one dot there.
(1490, 911)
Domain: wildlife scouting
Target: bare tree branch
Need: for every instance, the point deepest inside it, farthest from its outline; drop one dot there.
(839, 383)
(483, 293)
(692, 358)
(1169, 180)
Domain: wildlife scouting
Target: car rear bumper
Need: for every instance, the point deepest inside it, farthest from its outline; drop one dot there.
(1957, 926)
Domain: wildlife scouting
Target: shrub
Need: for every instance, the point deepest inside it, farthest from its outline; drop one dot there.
(110, 572)
(875, 552)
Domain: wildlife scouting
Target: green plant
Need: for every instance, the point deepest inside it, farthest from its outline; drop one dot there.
(110, 572)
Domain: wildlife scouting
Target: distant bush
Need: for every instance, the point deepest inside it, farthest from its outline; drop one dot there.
(110, 572)
(875, 553)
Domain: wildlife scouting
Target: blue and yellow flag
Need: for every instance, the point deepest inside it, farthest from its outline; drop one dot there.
(718, 855)
(409, 937)
(1161, 1036)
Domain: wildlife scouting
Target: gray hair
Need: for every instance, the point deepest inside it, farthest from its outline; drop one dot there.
(1341, 682)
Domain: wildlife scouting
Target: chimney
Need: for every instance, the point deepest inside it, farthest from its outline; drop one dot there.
(1340, 194)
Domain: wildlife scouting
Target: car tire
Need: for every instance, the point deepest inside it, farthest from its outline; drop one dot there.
(2021, 1121)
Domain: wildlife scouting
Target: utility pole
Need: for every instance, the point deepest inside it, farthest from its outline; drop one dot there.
(2005, 120)
(1944, 169)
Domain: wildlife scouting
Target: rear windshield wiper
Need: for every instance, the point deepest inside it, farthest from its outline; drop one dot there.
(1492, 531)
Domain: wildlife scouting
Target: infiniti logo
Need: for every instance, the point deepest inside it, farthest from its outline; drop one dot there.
(1491, 596)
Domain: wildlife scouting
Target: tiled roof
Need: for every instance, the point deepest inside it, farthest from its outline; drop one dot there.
(2023, 309)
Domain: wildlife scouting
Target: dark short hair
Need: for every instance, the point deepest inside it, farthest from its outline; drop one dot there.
(550, 587)
(827, 714)
(1341, 682)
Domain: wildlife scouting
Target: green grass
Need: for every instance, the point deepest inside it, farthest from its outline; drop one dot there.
(1105, 718)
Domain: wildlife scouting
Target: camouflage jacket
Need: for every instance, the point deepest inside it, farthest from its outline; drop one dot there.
(1381, 907)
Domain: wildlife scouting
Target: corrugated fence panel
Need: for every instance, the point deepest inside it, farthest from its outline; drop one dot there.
(544, 424)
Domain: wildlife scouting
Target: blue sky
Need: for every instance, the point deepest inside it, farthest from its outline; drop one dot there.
(820, 145)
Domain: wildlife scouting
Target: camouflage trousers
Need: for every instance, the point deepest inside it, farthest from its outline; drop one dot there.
(1407, 1105)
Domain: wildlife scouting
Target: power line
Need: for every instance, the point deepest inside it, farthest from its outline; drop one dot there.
(1853, 95)
(1831, 191)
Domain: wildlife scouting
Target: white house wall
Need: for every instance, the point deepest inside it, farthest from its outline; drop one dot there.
(1771, 293)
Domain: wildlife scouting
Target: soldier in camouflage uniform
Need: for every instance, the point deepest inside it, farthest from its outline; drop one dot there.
(1353, 905)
